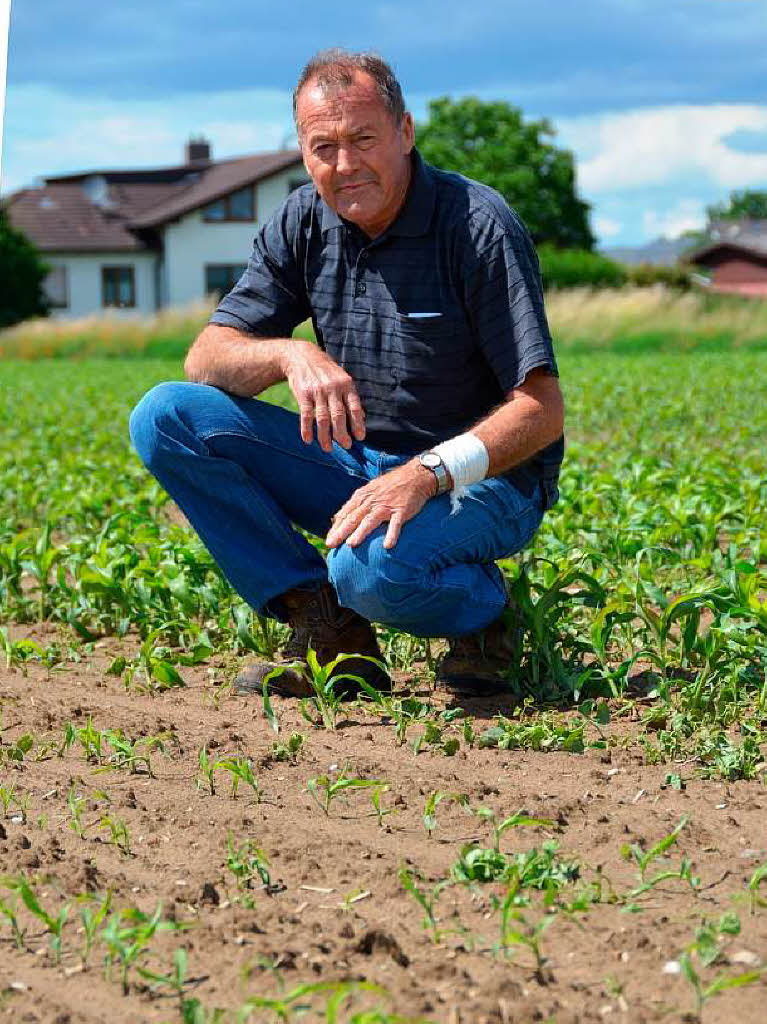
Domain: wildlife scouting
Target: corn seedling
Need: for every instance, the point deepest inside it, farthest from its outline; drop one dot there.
(427, 901)
(76, 804)
(7, 797)
(118, 833)
(247, 862)
(240, 770)
(175, 980)
(8, 911)
(92, 921)
(430, 808)
(703, 992)
(644, 860)
(207, 768)
(514, 821)
(127, 935)
(755, 899)
(516, 930)
(330, 788)
(54, 925)
(288, 751)
(375, 799)
(324, 706)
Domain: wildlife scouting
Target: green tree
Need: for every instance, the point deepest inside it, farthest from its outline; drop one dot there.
(747, 204)
(22, 272)
(490, 142)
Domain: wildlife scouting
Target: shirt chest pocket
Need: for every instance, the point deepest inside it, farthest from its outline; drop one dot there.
(430, 347)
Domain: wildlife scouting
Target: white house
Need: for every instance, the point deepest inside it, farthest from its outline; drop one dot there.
(145, 239)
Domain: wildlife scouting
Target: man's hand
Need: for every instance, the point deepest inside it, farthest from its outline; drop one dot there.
(392, 498)
(325, 394)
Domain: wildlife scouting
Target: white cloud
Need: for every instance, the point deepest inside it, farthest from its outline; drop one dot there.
(607, 227)
(50, 132)
(665, 144)
(685, 215)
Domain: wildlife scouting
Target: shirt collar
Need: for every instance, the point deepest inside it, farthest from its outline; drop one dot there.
(415, 216)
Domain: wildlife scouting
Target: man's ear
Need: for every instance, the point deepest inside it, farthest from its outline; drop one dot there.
(408, 131)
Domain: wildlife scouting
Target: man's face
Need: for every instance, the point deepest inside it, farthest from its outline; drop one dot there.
(355, 153)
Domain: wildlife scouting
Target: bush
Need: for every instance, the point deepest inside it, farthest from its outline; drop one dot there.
(573, 268)
(22, 272)
(643, 275)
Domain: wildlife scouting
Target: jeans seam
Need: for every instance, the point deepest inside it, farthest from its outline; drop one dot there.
(283, 451)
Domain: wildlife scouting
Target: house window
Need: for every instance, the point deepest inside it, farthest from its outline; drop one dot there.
(222, 277)
(55, 288)
(118, 287)
(238, 205)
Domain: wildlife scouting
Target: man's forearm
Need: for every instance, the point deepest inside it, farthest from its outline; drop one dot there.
(235, 361)
(531, 418)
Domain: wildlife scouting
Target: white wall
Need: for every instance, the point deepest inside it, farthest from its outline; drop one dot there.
(84, 281)
(191, 242)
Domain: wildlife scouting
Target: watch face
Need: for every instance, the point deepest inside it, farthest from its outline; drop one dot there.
(431, 460)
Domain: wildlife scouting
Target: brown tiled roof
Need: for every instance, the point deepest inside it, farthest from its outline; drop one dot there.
(59, 216)
(217, 180)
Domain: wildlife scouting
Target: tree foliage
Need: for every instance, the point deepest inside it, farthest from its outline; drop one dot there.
(747, 204)
(22, 272)
(490, 142)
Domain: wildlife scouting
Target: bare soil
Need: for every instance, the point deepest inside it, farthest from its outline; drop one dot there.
(603, 965)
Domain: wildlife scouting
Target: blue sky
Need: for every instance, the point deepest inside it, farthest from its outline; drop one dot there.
(663, 102)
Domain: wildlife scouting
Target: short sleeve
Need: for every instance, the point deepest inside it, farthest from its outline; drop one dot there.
(269, 300)
(504, 299)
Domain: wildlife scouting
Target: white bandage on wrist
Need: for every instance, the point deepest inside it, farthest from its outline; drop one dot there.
(467, 461)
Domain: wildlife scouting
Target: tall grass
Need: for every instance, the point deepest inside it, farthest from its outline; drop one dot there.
(657, 318)
(628, 319)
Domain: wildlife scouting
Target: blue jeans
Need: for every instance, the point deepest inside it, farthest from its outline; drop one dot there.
(241, 474)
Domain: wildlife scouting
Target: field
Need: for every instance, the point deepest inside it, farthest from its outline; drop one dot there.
(593, 847)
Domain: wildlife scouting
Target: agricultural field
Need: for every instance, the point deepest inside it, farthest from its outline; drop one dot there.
(592, 847)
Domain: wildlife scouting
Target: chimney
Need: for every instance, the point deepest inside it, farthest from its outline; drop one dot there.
(197, 151)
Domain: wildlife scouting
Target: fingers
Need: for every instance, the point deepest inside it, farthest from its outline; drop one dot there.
(322, 419)
(338, 419)
(356, 415)
(306, 412)
(369, 523)
(393, 531)
(345, 522)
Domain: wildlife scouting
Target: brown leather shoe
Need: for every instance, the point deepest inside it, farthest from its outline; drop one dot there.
(483, 664)
(319, 622)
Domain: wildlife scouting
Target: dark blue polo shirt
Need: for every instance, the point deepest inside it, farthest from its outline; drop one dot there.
(435, 320)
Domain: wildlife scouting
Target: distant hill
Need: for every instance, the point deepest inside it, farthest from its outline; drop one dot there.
(662, 252)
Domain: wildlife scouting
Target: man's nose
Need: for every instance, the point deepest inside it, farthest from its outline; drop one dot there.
(346, 159)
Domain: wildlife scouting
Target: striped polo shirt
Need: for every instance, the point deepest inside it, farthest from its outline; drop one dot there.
(435, 320)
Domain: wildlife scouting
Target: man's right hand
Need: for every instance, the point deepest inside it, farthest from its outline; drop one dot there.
(326, 395)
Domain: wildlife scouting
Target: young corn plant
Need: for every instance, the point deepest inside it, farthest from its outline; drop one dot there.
(127, 935)
(119, 835)
(644, 861)
(54, 925)
(514, 821)
(92, 920)
(433, 801)
(240, 770)
(326, 702)
(702, 992)
(247, 862)
(76, 805)
(324, 790)
(427, 901)
(207, 769)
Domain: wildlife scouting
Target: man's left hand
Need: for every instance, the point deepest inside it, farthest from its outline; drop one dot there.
(392, 498)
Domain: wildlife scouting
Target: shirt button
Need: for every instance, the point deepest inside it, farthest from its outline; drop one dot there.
(361, 288)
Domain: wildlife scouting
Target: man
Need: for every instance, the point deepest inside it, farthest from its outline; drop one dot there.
(424, 291)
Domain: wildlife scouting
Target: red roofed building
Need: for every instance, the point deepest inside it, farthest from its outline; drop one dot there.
(144, 239)
(735, 255)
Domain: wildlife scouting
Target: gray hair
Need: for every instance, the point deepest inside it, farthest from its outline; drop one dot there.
(334, 69)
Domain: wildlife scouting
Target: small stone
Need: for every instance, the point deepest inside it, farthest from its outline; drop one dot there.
(747, 958)
(672, 967)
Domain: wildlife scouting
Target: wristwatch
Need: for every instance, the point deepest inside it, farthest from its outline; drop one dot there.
(432, 461)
